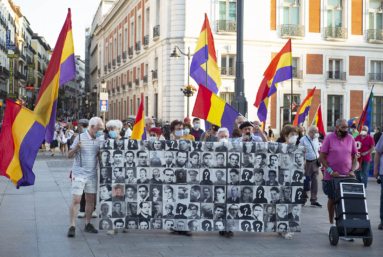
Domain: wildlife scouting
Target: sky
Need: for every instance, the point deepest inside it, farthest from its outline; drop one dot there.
(48, 17)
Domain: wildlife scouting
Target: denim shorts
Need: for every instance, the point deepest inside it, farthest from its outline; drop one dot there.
(327, 189)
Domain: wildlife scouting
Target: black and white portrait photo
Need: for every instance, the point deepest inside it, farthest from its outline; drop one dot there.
(184, 145)
(232, 225)
(108, 144)
(197, 146)
(235, 147)
(233, 160)
(169, 176)
(245, 212)
(118, 175)
(247, 176)
(206, 177)
(168, 159)
(119, 144)
(257, 226)
(168, 211)
(131, 209)
(130, 193)
(144, 223)
(219, 211)
(207, 210)
(271, 177)
(218, 176)
(282, 212)
(180, 176)
(261, 147)
(297, 178)
(246, 194)
(270, 226)
(130, 177)
(282, 148)
(118, 223)
(299, 161)
(260, 160)
(193, 225)
(143, 175)
(294, 212)
(207, 160)
(106, 210)
(245, 226)
(105, 193)
(195, 194)
(118, 192)
(155, 193)
(284, 177)
(207, 225)
(233, 177)
(168, 224)
(144, 145)
(143, 193)
(272, 147)
(106, 175)
(156, 176)
(131, 223)
(286, 194)
(219, 194)
(220, 147)
(158, 145)
(247, 160)
(156, 223)
(106, 224)
(286, 161)
(193, 211)
(298, 195)
(219, 225)
(106, 158)
(118, 210)
(194, 160)
(220, 160)
(275, 193)
(169, 195)
(143, 158)
(145, 210)
(294, 226)
(155, 159)
(207, 194)
(171, 145)
(232, 211)
(118, 158)
(192, 176)
(233, 194)
(260, 195)
(257, 212)
(183, 194)
(282, 227)
(248, 147)
(208, 147)
(272, 161)
(268, 213)
(129, 159)
(180, 211)
(181, 159)
(131, 144)
(157, 210)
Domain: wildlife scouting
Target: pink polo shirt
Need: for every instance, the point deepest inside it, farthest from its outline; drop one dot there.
(338, 153)
(367, 142)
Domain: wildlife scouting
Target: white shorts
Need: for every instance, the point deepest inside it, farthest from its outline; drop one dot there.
(80, 185)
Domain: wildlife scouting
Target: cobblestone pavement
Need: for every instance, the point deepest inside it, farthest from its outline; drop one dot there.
(34, 222)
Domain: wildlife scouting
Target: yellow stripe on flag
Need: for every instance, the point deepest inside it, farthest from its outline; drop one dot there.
(216, 110)
(201, 41)
(68, 48)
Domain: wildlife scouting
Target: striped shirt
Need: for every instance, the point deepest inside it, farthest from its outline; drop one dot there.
(89, 156)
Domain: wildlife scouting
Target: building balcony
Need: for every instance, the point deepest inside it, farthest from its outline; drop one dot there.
(124, 56)
(375, 36)
(123, 87)
(137, 82)
(375, 77)
(114, 63)
(138, 47)
(131, 52)
(292, 31)
(336, 75)
(156, 33)
(297, 74)
(154, 75)
(130, 85)
(21, 76)
(146, 41)
(145, 80)
(119, 60)
(4, 72)
(109, 93)
(227, 71)
(226, 26)
(336, 34)
(109, 66)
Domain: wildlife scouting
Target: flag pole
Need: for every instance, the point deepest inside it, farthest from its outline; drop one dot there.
(207, 49)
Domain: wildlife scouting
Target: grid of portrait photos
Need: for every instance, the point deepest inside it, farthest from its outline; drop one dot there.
(201, 186)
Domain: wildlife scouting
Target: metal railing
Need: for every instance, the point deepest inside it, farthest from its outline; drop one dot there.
(146, 40)
(154, 75)
(137, 82)
(292, 30)
(227, 71)
(124, 55)
(336, 32)
(226, 26)
(113, 91)
(156, 31)
(375, 77)
(336, 75)
(4, 72)
(145, 79)
(21, 76)
(119, 59)
(3, 94)
(130, 84)
(297, 74)
(374, 34)
(118, 89)
(114, 62)
(138, 45)
(131, 51)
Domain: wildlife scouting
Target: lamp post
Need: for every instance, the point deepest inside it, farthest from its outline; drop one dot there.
(103, 87)
(175, 55)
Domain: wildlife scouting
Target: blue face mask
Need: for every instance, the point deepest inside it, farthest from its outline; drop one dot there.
(113, 134)
(375, 130)
(187, 131)
(84, 130)
(196, 125)
(153, 138)
(98, 134)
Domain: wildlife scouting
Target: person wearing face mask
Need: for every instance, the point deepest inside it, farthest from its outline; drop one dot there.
(177, 129)
(196, 131)
(367, 147)
(210, 135)
(149, 123)
(187, 129)
(155, 134)
(354, 131)
(339, 157)
(377, 134)
(310, 141)
(114, 128)
(247, 129)
(223, 136)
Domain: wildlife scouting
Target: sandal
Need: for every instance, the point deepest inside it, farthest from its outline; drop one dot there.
(286, 235)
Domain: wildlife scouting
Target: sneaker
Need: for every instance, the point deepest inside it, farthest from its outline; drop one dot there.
(71, 231)
(81, 214)
(303, 204)
(346, 239)
(229, 234)
(380, 226)
(331, 225)
(316, 204)
(89, 228)
(94, 214)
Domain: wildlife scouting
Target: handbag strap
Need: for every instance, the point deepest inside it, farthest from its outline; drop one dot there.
(316, 158)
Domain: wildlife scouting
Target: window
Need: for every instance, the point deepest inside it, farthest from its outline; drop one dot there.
(138, 73)
(158, 11)
(125, 39)
(132, 34)
(335, 69)
(115, 48)
(138, 103)
(376, 73)
(377, 112)
(334, 13)
(156, 106)
(334, 110)
(227, 96)
(286, 109)
(124, 110)
(156, 63)
(290, 12)
(147, 16)
(375, 15)
(110, 51)
(146, 69)
(227, 65)
(125, 79)
(227, 10)
(131, 107)
(146, 106)
(131, 76)
(296, 72)
(139, 30)
(119, 110)
(119, 42)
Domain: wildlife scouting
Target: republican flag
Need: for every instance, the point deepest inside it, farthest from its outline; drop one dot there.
(139, 130)
(318, 122)
(280, 69)
(304, 109)
(61, 69)
(212, 108)
(205, 52)
(365, 119)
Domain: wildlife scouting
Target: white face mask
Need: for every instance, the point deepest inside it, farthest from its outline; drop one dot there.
(223, 140)
(316, 135)
(363, 133)
(293, 140)
(179, 133)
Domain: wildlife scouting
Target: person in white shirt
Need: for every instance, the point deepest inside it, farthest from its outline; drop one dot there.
(128, 131)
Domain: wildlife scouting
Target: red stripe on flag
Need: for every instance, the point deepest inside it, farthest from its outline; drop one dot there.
(295, 123)
(140, 111)
(262, 93)
(203, 103)
(270, 71)
(210, 38)
(320, 121)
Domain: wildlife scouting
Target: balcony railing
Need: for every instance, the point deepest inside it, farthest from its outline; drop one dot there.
(226, 26)
(292, 30)
(154, 75)
(114, 63)
(375, 35)
(130, 84)
(119, 60)
(124, 56)
(156, 32)
(138, 46)
(336, 75)
(297, 74)
(109, 66)
(227, 71)
(4, 72)
(21, 76)
(109, 93)
(123, 87)
(145, 79)
(137, 82)
(131, 51)
(146, 41)
(375, 77)
(335, 33)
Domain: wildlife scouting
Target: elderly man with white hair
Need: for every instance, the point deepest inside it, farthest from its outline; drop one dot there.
(310, 141)
(85, 148)
(114, 128)
(149, 123)
(223, 135)
(367, 147)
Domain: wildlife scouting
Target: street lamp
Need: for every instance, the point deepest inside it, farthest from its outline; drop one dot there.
(175, 55)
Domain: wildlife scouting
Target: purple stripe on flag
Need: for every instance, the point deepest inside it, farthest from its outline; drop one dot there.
(228, 118)
(281, 74)
(28, 151)
(198, 59)
(200, 77)
(262, 112)
(67, 70)
(302, 116)
(143, 137)
(50, 130)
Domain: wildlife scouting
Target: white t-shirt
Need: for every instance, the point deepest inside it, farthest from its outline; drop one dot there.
(128, 133)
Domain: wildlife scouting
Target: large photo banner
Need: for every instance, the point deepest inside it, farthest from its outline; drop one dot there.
(195, 186)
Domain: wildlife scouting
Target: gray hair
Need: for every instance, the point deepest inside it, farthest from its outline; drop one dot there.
(312, 128)
(238, 117)
(147, 120)
(339, 121)
(94, 121)
(114, 124)
(223, 130)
